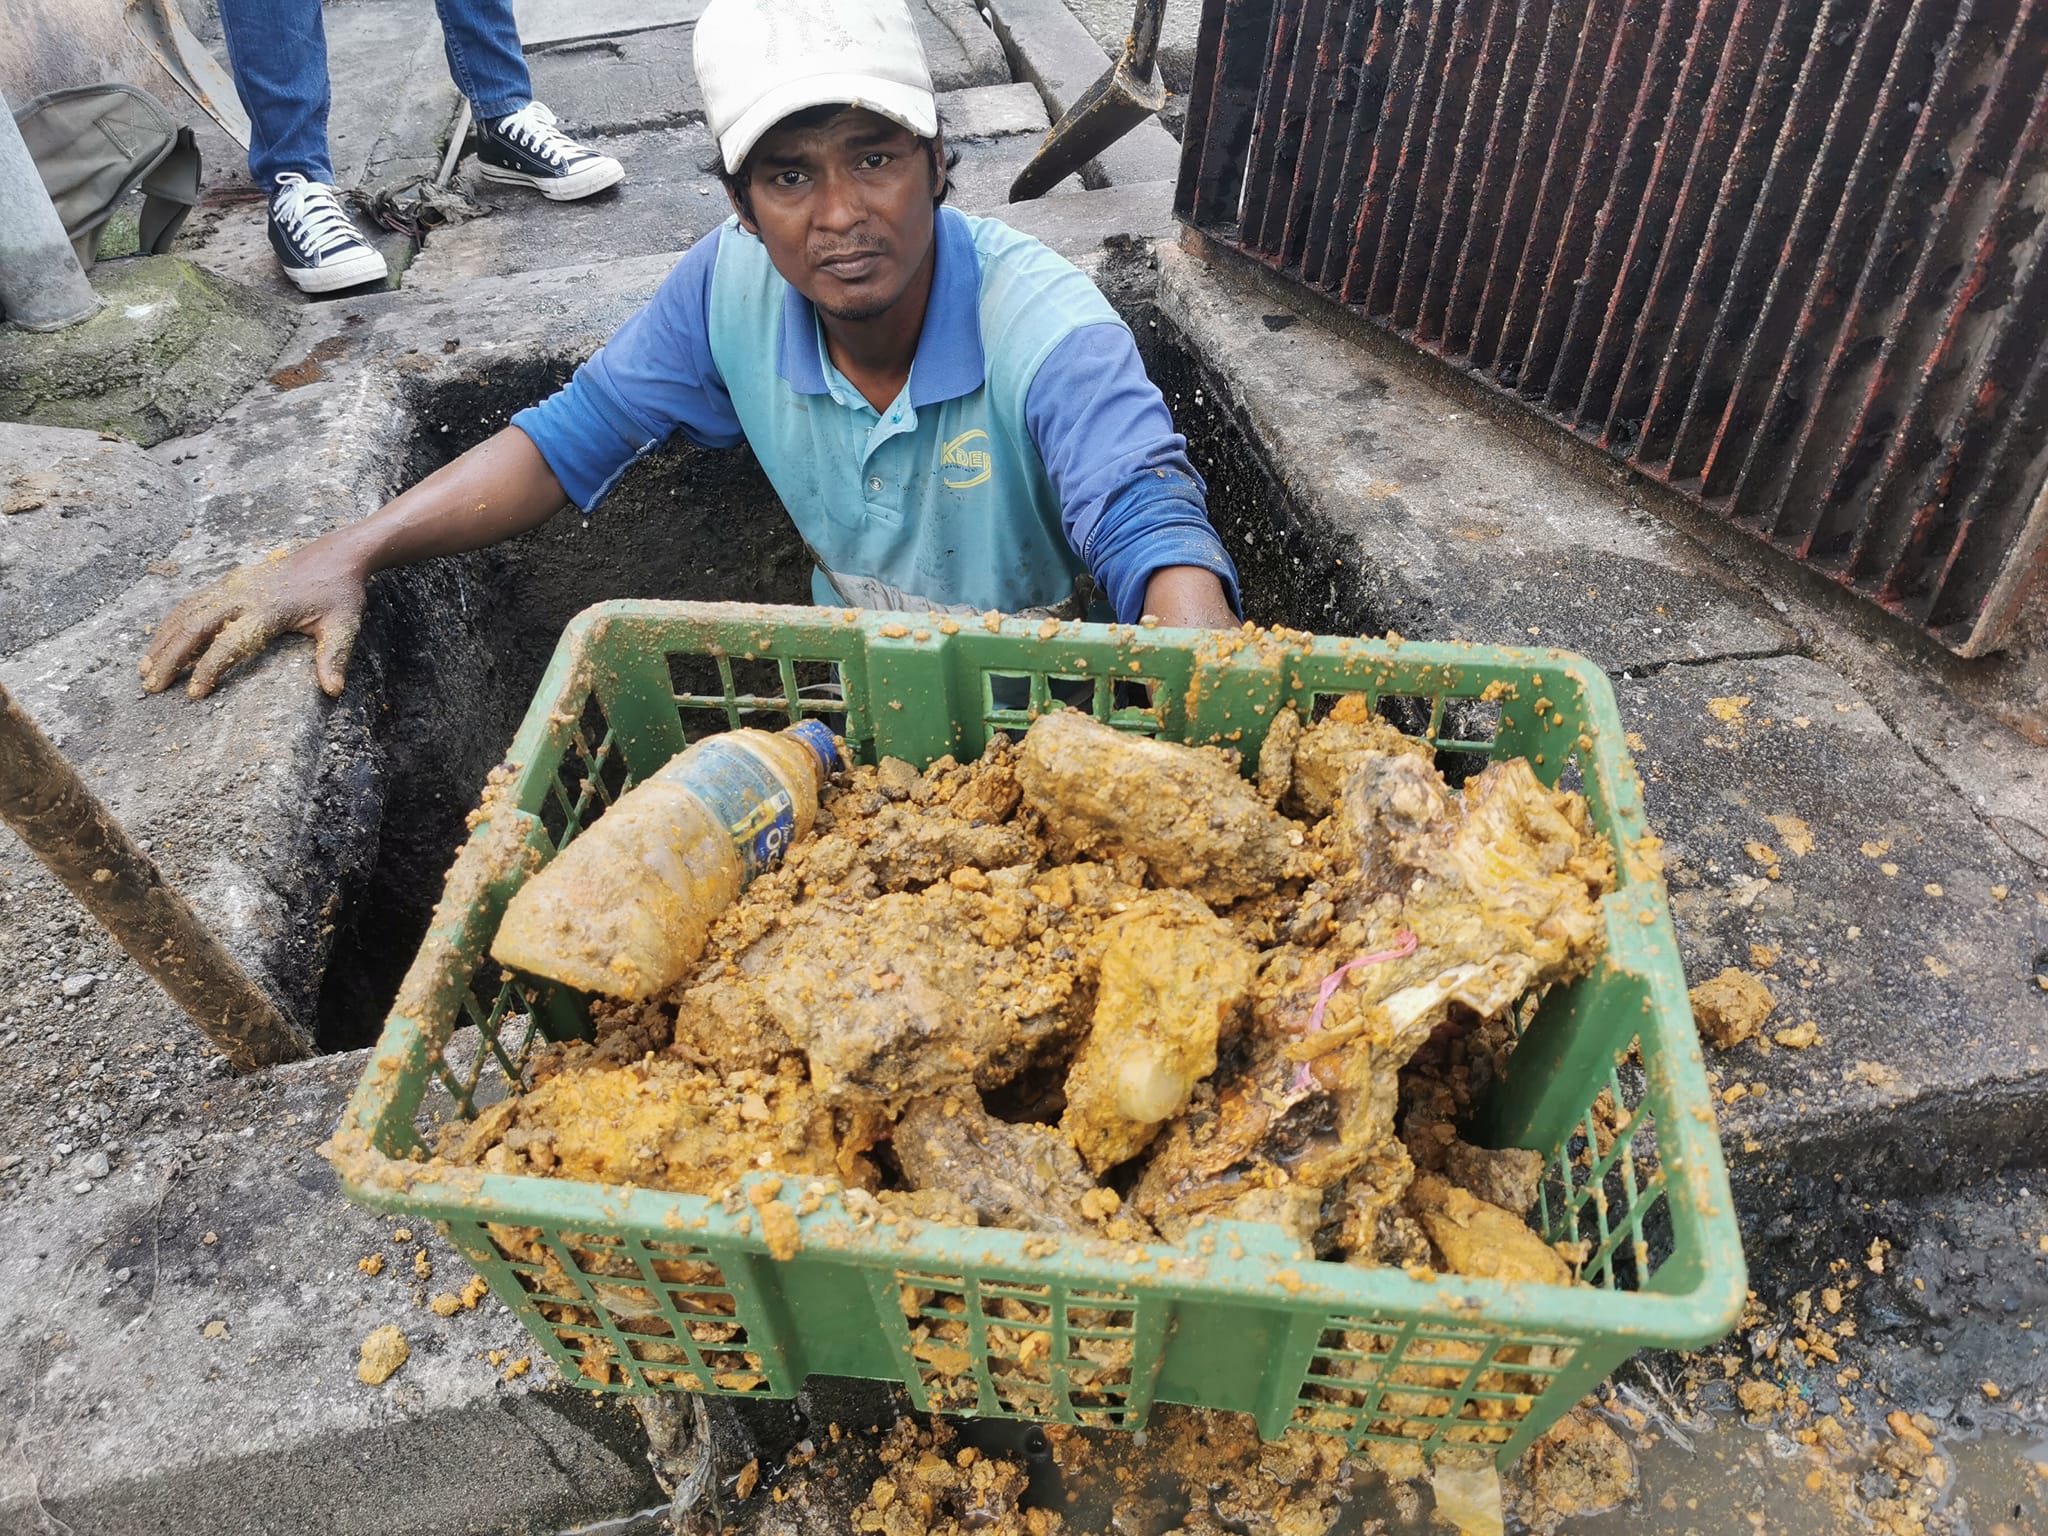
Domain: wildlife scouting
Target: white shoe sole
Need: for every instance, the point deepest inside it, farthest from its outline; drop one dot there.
(606, 172)
(353, 273)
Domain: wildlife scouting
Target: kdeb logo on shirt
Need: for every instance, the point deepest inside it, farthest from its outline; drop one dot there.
(959, 459)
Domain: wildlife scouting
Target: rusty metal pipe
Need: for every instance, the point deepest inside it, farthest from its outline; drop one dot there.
(42, 286)
(79, 840)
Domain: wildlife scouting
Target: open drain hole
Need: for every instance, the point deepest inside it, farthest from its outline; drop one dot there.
(453, 649)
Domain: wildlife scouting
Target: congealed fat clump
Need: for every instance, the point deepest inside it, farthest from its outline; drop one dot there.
(1170, 976)
(1731, 1007)
(1099, 986)
(655, 1122)
(901, 995)
(1322, 759)
(1477, 1238)
(1508, 1177)
(1023, 1176)
(1186, 812)
(1452, 906)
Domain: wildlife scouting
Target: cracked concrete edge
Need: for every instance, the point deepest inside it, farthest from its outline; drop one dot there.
(1082, 226)
(992, 111)
(527, 1466)
(1995, 770)
(1924, 1151)
(1470, 534)
(1804, 843)
(542, 22)
(263, 804)
(244, 814)
(983, 54)
(236, 817)
(399, 133)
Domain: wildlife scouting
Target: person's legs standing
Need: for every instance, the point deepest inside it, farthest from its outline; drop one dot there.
(517, 140)
(484, 57)
(278, 52)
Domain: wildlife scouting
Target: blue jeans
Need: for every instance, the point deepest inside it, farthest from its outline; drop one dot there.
(278, 52)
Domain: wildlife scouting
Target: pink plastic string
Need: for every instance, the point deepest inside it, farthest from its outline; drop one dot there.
(1404, 945)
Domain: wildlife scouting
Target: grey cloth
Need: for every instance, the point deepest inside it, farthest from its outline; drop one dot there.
(95, 144)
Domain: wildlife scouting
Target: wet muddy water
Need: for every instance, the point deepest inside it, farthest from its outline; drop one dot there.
(1714, 1475)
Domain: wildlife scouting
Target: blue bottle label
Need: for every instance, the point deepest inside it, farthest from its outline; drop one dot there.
(748, 800)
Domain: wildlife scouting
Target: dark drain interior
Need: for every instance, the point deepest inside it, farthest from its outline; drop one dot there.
(1296, 569)
(454, 649)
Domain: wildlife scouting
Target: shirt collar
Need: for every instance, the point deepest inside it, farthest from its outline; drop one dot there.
(949, 361)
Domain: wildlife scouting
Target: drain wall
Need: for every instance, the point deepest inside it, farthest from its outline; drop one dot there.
(1786, 257)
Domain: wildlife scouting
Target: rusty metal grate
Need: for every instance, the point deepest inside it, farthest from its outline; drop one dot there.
(1786, 257)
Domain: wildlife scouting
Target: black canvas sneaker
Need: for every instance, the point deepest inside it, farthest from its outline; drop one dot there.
(315, 239)
(528, 148)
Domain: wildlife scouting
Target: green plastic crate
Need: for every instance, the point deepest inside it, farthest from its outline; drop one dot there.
(658, 1291)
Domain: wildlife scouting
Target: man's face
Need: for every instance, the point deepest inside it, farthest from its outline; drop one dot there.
(845, 209)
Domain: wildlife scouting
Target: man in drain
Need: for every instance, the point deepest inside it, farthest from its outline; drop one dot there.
(954, 416)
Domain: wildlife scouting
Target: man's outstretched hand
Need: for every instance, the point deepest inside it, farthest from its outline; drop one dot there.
(499, 488)
(309, 591)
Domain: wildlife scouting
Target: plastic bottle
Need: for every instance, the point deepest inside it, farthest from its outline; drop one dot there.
(626, 908)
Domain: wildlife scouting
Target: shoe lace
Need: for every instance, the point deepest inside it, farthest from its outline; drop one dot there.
(314, 215)
(533, 128)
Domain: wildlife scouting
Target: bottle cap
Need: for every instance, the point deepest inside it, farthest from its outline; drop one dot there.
(817, 735)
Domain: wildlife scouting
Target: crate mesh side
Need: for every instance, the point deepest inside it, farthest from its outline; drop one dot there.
(1605, 1188)
(587, 778)
(475, 1069)
(719, 692)
(1424, 1384)
(506, 1011)
(1012, 697)
(1017, 1349)
(631, 1313)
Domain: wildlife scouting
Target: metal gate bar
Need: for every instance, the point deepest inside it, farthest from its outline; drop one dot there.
(1786, 256)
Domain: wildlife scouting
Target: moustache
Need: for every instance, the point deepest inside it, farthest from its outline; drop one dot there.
(845, 253)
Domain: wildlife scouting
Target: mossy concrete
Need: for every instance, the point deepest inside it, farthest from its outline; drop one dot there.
(172, 348)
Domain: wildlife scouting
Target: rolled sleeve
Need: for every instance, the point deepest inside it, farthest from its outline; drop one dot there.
(655, 377)
(1153, 526)
(1130, 500)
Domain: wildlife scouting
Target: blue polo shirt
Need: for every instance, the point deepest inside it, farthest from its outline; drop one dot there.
(1027, 447)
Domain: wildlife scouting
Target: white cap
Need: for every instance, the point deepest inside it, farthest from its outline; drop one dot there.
(759, 61)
